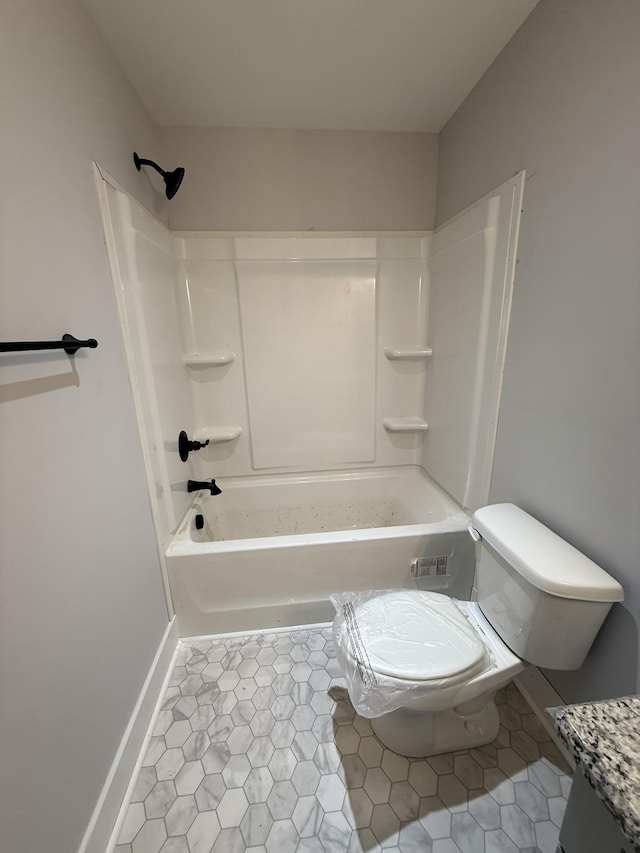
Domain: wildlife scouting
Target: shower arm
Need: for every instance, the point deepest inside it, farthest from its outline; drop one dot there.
(142, 161)
(172, 180)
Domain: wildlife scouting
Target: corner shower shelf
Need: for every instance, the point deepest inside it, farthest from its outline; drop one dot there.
(405, 425)
(208, 359)
(218, 435)
(413, 353)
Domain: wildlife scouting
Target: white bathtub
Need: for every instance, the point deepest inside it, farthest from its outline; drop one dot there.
(273, 548)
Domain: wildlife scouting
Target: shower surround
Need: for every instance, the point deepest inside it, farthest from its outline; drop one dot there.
(306, 358)
(328, 373)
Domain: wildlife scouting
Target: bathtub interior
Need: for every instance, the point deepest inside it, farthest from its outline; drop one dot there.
(315, 517)
(281, 506)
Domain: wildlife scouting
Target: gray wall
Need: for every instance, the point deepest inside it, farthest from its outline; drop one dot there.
(562, 101)
(81, 605)
(243, 179)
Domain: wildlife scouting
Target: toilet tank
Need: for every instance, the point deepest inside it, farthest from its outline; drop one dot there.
(544, 598)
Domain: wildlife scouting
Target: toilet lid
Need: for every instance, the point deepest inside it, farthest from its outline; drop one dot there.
(418, 636)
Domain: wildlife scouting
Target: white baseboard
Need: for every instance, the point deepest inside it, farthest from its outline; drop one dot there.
(108, 814)
(541, 695)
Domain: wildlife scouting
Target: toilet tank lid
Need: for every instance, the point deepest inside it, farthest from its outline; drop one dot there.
(542, 557)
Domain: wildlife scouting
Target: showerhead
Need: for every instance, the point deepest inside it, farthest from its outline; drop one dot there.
(172, 180)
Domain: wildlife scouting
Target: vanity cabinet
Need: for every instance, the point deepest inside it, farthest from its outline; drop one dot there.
(588, 826)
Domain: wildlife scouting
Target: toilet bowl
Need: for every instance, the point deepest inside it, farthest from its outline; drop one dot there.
(457, 676)
(425, 667)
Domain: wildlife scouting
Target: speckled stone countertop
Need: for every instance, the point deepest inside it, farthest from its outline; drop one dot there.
(604, 738)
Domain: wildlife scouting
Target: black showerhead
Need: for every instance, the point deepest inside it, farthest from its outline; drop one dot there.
(172, 180)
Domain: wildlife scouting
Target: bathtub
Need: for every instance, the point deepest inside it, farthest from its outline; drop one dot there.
(273, 548)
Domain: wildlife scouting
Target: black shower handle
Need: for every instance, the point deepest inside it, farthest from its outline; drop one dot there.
(185, 447)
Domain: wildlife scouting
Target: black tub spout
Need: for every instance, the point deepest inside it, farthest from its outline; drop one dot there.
(196, 485)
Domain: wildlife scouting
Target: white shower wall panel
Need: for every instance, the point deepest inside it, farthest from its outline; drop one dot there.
(147, 278)
(211, 322)
(158, 273)
(309, 344)
(472, 273)
(157, 279)
(307, 319)
(403, 294)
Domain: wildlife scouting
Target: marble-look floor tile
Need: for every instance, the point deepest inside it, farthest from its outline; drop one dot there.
(203, 832)
(256, 824)
(257, 749)
(258, 785)
(134, 819)
(282, 800)
(181, 815)
(307, 817)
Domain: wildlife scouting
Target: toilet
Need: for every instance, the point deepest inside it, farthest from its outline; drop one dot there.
(539, 601)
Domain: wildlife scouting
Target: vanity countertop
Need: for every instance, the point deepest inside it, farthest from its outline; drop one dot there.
(604, 739)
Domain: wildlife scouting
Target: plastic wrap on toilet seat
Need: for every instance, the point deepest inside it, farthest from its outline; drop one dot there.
(396, 646)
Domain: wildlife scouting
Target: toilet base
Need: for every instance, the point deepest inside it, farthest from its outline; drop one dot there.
(417, 734)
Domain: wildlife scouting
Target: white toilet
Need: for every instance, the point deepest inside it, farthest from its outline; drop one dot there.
(539, 601)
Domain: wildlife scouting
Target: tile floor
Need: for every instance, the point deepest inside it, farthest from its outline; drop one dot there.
(257, 748)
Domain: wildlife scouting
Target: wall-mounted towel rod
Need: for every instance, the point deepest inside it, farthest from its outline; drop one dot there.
(68, 343)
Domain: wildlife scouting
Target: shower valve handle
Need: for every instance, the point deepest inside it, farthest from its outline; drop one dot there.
(185, 447)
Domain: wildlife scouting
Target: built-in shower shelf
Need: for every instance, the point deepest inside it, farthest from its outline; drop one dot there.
(412, 353)
(208, 359)
(405, 425)
(218, 435)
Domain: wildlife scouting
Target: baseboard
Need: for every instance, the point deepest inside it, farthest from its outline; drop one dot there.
(541, 695)
(108, 813)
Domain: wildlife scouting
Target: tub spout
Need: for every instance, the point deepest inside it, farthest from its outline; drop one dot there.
(196, 485)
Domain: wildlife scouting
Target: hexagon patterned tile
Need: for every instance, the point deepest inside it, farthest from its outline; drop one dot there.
(257, 748)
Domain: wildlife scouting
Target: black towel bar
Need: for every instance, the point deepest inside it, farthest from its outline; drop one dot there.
(68, 343)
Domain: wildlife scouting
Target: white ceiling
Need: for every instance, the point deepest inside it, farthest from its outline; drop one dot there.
(322, 64)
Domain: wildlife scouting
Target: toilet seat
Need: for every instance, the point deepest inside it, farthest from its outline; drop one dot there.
(363, 647)
(417, 636)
